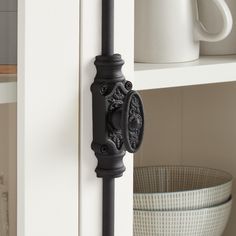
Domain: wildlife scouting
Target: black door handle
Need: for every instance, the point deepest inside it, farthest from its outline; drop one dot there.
(118, 117)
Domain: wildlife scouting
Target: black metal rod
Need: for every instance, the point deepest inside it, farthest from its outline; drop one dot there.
(108, 183)
(107, 27)
(108, 206)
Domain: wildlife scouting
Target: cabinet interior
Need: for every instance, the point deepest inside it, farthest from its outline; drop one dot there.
(8, 161)
(8, 116)
(192, 125)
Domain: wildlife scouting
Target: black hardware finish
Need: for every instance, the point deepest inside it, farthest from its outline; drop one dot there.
(118, 117)
(107, 27)
(108, 206)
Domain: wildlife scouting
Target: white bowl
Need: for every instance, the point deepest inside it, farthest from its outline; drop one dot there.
(204, 222)
(180, 187)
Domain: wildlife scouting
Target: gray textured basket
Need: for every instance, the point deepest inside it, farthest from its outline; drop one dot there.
(180, 187)
(204, 222)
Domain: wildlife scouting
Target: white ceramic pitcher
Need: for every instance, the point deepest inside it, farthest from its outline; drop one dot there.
(210, 16)
(169, 31)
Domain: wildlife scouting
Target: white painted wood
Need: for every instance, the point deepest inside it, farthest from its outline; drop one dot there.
(90, 185)
(48, 94)
(7, 92)
(8, 89)
(207, 70)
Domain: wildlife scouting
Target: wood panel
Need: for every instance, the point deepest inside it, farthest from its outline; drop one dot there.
(8, 69)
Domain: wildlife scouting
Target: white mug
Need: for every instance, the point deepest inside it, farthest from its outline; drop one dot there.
(168, 31)
(210, 17)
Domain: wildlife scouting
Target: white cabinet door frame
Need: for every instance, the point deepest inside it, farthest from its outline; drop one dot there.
(90, 185)
(48, 108)
(48, 123)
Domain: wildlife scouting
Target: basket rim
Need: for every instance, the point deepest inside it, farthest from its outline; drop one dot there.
(229, 182)
(224, 204)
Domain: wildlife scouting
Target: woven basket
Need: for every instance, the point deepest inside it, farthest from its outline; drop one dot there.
(203, 222)
(180, 188)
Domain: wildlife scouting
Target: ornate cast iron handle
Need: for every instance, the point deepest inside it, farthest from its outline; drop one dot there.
(130, 120)
(133, 122)
(118, 119)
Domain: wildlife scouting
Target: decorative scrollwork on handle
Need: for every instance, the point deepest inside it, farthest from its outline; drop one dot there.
(132, 121)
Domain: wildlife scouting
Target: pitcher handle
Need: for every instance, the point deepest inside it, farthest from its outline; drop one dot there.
(202, 34)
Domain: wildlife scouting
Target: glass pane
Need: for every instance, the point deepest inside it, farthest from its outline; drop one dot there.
(8, 68)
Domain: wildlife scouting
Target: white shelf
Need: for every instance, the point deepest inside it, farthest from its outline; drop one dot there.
(8, 88)
(206, 70)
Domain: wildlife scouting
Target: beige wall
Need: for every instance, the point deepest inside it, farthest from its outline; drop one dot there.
(193, 126)
(12, 168)
(4, 141)
(8, 158)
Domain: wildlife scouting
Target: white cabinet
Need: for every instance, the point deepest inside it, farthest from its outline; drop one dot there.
(58, 192)
(47, 118)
